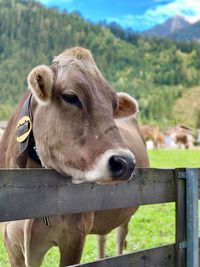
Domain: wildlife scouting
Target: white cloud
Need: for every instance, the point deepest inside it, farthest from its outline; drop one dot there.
(190, 9)
(53, 2)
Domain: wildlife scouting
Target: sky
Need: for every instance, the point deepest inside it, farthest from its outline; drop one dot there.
(137, 14)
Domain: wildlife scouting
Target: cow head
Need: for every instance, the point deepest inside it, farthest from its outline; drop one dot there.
(73, 120)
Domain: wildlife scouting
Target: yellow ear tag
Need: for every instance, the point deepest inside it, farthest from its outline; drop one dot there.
(24, 120)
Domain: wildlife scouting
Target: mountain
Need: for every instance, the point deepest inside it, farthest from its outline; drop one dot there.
(191, 33)
(154, 71)
(168, 27)
(176, 29)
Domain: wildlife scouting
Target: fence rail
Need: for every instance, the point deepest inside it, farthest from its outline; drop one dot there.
(160, 256)
(43, 192)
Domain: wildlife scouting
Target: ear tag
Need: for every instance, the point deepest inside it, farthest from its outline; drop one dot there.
(24, 127)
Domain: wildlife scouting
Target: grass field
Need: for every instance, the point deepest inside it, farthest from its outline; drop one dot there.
(151, 226)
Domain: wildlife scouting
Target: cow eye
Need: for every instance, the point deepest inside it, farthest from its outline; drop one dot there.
(72, 99)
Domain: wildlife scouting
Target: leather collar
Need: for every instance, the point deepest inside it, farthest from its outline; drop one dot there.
(25, 136)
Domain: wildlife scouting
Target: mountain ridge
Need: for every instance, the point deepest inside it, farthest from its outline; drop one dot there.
(189, 34)
(168, 27)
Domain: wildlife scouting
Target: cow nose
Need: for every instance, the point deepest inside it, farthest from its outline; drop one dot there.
(121, 167)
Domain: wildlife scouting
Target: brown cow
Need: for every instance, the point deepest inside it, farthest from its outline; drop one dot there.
(183, 138)
(71, 124)
(150, 132)
(105, 221)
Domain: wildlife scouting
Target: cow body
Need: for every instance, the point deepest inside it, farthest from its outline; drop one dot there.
(72, 112)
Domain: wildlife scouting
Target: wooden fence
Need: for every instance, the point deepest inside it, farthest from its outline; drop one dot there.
(43, 192)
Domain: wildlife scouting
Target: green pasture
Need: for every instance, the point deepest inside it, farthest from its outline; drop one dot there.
(151, 226)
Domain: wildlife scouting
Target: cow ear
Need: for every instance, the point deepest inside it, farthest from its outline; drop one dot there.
(127, 106)
(40, 82)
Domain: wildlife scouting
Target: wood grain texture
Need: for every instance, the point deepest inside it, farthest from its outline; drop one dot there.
(156, 257)
(31, 193)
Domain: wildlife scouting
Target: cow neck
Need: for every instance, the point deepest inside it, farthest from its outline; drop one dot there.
(25, 137)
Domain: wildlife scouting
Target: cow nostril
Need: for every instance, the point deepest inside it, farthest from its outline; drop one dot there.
(117, 166)
(121, 167)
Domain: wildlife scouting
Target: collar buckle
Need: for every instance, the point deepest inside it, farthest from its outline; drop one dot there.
(24, 127)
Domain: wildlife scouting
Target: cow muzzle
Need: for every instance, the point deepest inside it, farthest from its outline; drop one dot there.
(114, 165)
(121, 167)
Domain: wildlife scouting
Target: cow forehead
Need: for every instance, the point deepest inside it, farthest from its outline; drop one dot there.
(80, 74)
(77, 57)
(79, 53)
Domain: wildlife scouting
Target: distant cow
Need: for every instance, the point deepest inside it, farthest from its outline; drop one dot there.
(183, 139)
(182, 135)
(151, 132)
(66, 122)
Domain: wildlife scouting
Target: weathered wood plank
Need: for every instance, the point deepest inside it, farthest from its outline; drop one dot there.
(163, 256)
(40, 192)
(157, 257)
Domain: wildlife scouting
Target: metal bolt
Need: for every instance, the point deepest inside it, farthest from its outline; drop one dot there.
(182, 175)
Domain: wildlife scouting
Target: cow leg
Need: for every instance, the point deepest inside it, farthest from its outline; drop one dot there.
(71, 251)
(16, 257)
(14, 243)
(101, 240)
(1, 227)
(121, 233)
(72, 238)
(14, 251)
(155, 144)
(35, 254)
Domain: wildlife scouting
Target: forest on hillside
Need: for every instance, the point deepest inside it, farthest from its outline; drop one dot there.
(156, 72)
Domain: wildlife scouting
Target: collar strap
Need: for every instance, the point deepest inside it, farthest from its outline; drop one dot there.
(25, 136)
(26, 141)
